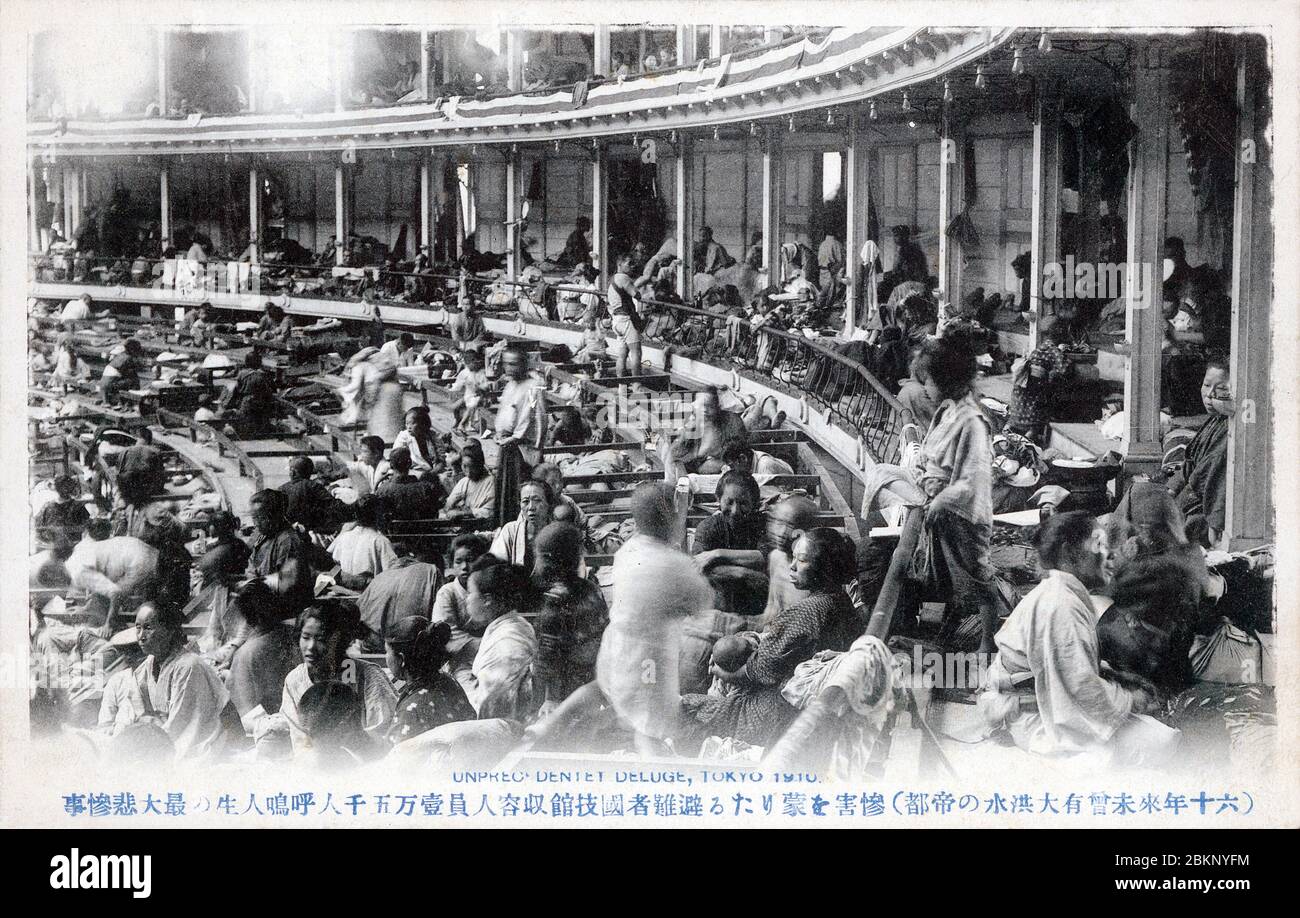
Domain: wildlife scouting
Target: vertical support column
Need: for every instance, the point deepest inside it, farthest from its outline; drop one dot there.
(684, 166)
(1147, 192)
(685, 45)
(950, 202)
(252, 70)
(773, 199)
(163, 101)
(856, 189)
(1248, 516)
(254, 213)
(715, 41)
(600, 212)
(513, 228)
(602, 61)
(1045, 221)
(426, 63)
(341, 45)
(165, 199)
(340, 212)
(33, 229)
(514, 61)
(772, 36)
(72, 202)
(426, 202)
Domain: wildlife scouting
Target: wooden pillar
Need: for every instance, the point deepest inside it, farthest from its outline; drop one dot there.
(426, 64)
(254, 212)
(33, 228)
(1147, 193)
(341, 46)
(163, 45)
(857, 192)
(600, 213)
(773, 36)
(773, 198)
(1045, 220)
(514, 61)
(165, 210)
(72, 202)
(426, 202)
(1249, 506)
(951, 195)
(685, 45)
(513, 228)
(684, 165)
(252, 71)
(602, 60)
(340, 212)
(715, 41)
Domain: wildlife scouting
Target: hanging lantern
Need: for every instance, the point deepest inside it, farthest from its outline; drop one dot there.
(1017, 63)
(947, 92)
(830, 117)
(907, 106)
(981, 81)
(1044, 42)
(717, 133)
(871, 111)
(557, 146)
(753, 129)
(792, 124)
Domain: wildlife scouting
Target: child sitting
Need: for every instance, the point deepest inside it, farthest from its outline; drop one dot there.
(593, 340)
(473, 381)
(730, 653)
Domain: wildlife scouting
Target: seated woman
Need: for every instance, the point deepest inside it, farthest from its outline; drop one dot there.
(418, 437)
(417, 651)
(571, 615)
(122, 371)
(1034, 386)
(514, 543)
(756, 712)
(173, 688)
(324, 633)
(1046, 686)
(275, 325)
(475, 494)
(450, 603)
(500, 683)
(261, 664)
(1160, 585)
(728, 546)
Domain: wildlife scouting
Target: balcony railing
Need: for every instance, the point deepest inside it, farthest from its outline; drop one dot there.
(807, 368)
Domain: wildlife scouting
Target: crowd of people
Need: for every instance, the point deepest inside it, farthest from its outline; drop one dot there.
(504, 635)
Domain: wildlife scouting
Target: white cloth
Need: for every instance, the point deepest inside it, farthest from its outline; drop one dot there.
(378, 698)
(186, 695)
(500, 681)
(517, 409)
(75, 311)
(478, 497)
(656, 587)
(1050, 642)
(362, 550)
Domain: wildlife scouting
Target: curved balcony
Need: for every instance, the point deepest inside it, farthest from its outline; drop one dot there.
(846, 66)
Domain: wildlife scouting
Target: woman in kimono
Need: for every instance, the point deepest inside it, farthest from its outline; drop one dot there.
(500, 683)
(173, 688)
(324, 633)
(373, 394)
(755, 711)
(656, 588)
(417, 650)
(571, 618)
(955, 469)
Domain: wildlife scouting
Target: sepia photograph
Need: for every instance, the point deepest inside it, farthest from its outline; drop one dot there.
(763, 414)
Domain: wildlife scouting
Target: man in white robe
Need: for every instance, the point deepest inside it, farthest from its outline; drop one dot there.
(1046, 685)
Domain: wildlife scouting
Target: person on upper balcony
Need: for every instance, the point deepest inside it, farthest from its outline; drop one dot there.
(577, 248)
(710, 256)
(910, 263)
